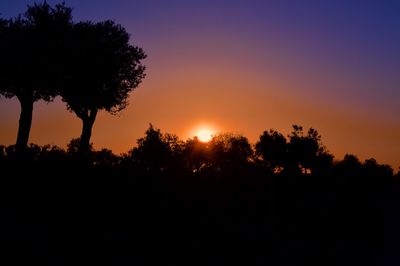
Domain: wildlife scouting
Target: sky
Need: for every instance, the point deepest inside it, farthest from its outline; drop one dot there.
(245, 67)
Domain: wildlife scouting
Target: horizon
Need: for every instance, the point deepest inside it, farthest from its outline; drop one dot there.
(245, 69)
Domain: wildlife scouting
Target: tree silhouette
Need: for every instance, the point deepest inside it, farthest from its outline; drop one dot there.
(307, 151)
(157, 152)
(229, 151)
(103, 69)
(31, 52)
(105, 159)
(371, 168)
(196, 155)
(73, 146)
(272, 148)
(197, 192)
(152, 151)
(349, 167)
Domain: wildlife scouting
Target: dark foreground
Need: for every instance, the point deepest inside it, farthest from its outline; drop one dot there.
(112, 216)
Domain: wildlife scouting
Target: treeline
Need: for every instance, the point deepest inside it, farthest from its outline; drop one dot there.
(157, 153)
(282, 201)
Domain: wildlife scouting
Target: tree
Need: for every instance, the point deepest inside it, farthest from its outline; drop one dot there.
(156, 152)
(73, 146)
(230, 151)
(306, 152)
(105, 159)
(31, 49)
(272, 148)
(152, 151)
(103, 69)
(372, 168)
(196, 155)
(350, 166)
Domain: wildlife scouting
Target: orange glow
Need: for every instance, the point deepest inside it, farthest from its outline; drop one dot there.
(203, 131)
(206, 88)
(205, 134)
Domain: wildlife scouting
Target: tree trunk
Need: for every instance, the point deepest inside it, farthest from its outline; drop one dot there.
(87, 125)
(25, 122)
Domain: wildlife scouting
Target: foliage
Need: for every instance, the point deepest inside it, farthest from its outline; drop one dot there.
(91, 65)
(32, 52)
(32, 49)
(272, 149)
(193, 192)
(156, 152)
(306, 151)
(73, 146)
(229, 151)
(103, 68)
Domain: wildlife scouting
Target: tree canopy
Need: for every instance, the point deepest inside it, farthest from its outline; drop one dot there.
(272, 148)
(32, 50)
(103, 68)
(91, 65)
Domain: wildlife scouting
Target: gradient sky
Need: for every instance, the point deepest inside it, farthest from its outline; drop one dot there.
(243, 67)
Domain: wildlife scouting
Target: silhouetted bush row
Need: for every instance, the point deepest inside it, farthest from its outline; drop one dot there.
(157, 153)
(283, 201)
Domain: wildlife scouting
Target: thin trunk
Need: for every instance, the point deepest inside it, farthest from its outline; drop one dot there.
(87, 125)
(25, 122)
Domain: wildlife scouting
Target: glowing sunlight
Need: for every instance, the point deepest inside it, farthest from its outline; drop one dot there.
(205, 134)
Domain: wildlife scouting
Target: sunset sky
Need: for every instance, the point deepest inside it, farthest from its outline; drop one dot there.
(243, 67)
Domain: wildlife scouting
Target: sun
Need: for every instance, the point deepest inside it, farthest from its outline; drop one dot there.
(205, 134)
(203, 131)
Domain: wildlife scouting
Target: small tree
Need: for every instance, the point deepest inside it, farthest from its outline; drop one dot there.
(371, 168)
(196, 155)
(350, 166)
(103, 69)
(306, 151)
(272, 148)
(30, 52)
(157, 152)
(153, 151)
(230, 151)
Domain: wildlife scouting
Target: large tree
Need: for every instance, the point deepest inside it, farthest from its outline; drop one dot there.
(103, 69)
(31, 51)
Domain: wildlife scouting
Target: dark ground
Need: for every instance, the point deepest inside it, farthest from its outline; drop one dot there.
(112, 217)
